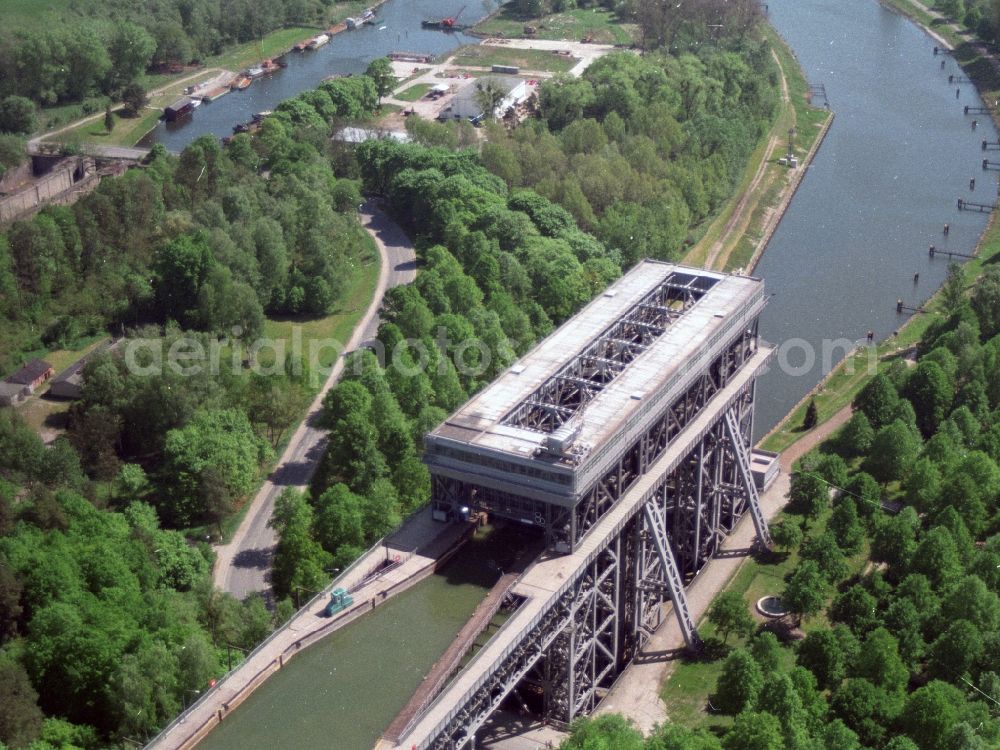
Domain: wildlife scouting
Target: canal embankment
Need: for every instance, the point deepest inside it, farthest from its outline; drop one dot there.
(393, 565)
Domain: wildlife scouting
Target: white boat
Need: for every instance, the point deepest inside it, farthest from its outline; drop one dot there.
(318, 41)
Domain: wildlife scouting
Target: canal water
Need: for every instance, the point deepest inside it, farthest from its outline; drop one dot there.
(898, 156)
(397, 29)
(342, 692)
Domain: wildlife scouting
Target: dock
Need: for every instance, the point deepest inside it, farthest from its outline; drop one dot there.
(210, 95)
(983, 208)
(414, 57)
(950, 253)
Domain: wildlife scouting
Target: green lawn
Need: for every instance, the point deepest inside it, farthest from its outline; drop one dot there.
(599, 24)
(413, 93)
(362, 276)
(246, 54)
(126, 132)
(686, 691)
(483, 56)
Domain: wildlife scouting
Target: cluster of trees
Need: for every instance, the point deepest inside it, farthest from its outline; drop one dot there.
(72, 61)
(109, 624)
(99, 47)
(981, 16)
(499, 266)
(910, 657)
(200, 240)
(640, 150)
(189, 443)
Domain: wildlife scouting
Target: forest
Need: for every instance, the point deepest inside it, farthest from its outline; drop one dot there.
(97, 47)
(109, 622)
(902, 651)
(207, 246)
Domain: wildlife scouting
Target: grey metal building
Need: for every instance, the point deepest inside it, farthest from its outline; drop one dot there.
(625, 435)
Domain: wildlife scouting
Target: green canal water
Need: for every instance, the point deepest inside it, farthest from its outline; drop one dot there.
(342, 692)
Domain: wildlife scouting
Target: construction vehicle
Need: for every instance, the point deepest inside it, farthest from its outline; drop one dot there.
(339, 601)
(449, 22)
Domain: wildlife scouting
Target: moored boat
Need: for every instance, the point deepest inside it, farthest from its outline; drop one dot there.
(318, 41)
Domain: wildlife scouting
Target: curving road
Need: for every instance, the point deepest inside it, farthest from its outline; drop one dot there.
(242, 565)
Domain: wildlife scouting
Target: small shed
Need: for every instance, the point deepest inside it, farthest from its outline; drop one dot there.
(68, 384)
(178, 109)
(764, 467)
(11, 393)
(32, 375)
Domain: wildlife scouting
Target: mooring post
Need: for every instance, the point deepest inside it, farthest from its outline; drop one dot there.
(959, 204)
(951, 78)
(984, 145)
(966, 109)
(899, 306)
(974, 123)
(916, 277)
(972, 180)
(930, 252)
(946, 228)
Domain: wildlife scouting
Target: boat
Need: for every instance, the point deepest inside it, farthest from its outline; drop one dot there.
(255, 72)
(242, 83)
(318, 41)
(449, 23)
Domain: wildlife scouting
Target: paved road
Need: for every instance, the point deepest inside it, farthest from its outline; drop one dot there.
(242, 566)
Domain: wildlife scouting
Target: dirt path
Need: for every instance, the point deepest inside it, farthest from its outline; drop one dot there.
(741, 215)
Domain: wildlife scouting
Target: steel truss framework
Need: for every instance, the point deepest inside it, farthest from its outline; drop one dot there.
(594, 628)
(565, 527)
(556, 400)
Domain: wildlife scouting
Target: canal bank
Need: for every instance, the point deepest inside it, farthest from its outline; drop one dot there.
(399, 27)
(344, 690)
(875, 196)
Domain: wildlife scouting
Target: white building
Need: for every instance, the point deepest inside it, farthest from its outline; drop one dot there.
(465, 105)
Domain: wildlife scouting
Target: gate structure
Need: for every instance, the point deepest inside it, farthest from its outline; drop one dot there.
(625, 435)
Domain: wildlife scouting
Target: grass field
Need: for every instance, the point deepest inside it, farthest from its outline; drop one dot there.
(526, 59)
(599, 24)
(359, 287)
(126, 132)
(413, 92)
(248, 53)
(686, 691)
